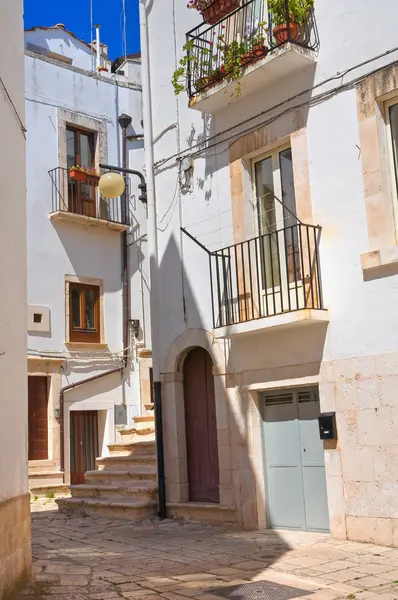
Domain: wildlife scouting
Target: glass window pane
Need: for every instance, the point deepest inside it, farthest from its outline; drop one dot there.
(70, 148)
(394, 136)
(265, 195)
(267, 222)
(287, 181)
(289, 210)
(85, 150)
(90, 308)
(76, 308)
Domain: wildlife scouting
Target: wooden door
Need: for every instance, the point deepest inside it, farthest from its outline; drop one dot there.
(81, 152)
(201, 428)
(83, 444)
(37, 418)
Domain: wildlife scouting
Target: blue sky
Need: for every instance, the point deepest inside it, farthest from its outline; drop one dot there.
(75, 14)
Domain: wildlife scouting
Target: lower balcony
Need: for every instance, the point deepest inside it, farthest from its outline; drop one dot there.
(80, 202)
(248, 50)
(270, 281)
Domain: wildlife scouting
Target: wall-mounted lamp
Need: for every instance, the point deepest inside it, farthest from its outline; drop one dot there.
(57, 412)
(135, 323)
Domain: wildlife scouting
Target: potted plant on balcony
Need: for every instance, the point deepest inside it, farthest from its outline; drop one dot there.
(297, 11)
(213, 11)
(84, 175)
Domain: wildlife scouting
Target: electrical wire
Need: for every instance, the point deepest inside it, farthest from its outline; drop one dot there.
(14, 108)
(338, 75)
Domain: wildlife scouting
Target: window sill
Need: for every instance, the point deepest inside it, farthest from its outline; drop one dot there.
(379, 258)
(86, 346)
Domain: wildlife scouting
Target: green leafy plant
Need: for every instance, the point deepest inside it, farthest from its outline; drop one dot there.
(298, 11)
(50, 495)
(207, 65)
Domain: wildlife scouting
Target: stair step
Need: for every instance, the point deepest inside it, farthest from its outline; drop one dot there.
(108, 476)
(144, 448)
(129, 461)
(144, 419)
(135, 490)
(133, 510)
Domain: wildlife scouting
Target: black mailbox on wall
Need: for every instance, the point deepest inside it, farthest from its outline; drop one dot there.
(327, 426)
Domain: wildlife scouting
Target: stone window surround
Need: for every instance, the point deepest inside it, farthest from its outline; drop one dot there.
(373, 93)
(85, 345)
(65, 118)
(288, 129)
(52, 369)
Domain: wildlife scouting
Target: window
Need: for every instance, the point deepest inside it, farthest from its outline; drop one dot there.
(392, 121)
(277, 224)
(80, 148)
(84, 313)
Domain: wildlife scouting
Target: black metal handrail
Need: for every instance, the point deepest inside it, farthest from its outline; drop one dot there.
(270, 274)
(217, 52)
(83, 198)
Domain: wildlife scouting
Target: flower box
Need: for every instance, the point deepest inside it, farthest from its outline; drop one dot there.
(77, 174)
(218, 10)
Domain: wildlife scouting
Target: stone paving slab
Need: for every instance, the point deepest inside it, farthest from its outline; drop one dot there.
(94, 558)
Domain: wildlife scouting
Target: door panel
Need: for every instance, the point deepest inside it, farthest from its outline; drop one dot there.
(294, 459)
(83, 444)
(281, 437)
(312, 457)
(201, 428)
(37, 418)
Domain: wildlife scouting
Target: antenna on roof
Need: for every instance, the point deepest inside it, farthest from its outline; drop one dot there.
(92, 36)
(124, 30)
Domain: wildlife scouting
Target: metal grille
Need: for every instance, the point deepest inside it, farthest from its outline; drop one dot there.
(260, 590)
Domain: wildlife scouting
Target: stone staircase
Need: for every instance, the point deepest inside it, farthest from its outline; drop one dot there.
(125, 483)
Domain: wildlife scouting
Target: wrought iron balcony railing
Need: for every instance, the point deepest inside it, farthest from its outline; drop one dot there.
(223, 51)
(268, 275)
(83, 198)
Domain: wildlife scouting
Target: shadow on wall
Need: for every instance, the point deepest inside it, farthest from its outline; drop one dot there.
(85, 246)
(243, 117)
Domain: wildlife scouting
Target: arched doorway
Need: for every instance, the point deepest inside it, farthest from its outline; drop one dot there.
(201, 427)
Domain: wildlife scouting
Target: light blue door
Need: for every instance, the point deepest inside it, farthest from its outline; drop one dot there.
(295, 468)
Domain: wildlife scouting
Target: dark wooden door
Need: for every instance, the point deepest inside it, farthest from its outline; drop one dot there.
(201, 428)
(81, 152)
(37, 418)
(83, 444)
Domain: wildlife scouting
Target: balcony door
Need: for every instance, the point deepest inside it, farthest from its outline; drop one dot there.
(81, 152)
(278, 230)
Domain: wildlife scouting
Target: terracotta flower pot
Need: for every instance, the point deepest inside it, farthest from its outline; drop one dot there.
(77, 175)
(92, 179)
(284, 33)
(259, 51)
(219, 9)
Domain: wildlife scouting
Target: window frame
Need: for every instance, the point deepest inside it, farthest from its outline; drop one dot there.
(391, 159)
(77, 131)
(81, 334)
(279, 208)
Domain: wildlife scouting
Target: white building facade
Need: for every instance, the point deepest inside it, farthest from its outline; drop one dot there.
(84, 373)
(282, 165)
(15, 547)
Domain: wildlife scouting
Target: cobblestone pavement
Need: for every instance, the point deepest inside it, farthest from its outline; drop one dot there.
(82, 558)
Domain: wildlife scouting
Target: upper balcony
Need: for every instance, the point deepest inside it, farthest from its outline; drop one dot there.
(270, 281)
(247, 50)
(81, 202)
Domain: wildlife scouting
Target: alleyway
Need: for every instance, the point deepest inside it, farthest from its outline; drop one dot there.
(81, 558)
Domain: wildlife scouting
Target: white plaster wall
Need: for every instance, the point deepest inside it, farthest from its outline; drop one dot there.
(357, 325)
(57, 249)
(13, 382)
(60, 41)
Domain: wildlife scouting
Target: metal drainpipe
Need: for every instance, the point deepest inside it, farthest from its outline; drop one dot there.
(153, 254)
(124, 122)
(67, 388)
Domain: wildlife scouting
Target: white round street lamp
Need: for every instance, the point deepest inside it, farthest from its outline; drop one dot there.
(111, 185)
